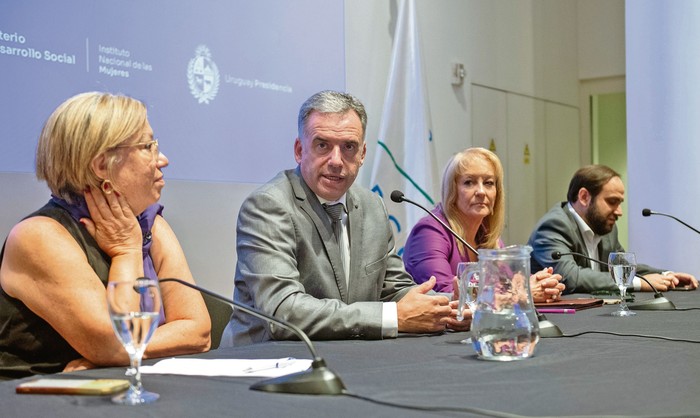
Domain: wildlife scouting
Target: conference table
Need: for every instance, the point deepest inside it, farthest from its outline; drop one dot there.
(619, 369)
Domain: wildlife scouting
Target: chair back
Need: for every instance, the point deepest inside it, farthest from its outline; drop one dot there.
(220, 314)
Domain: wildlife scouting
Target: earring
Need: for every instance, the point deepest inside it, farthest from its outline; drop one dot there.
(106, 186)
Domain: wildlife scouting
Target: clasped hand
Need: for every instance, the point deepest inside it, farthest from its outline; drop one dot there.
(420, 312)
(546, 286)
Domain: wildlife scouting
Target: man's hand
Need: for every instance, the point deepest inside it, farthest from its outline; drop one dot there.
(684, 279)
(419, 312)
(664, 282)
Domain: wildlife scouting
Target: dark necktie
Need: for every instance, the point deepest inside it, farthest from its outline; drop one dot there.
(336, 213)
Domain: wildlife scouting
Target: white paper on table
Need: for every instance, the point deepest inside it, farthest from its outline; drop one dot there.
(228, 367)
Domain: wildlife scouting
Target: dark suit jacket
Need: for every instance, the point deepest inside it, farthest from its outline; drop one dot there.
(557, 230)
(289, 265)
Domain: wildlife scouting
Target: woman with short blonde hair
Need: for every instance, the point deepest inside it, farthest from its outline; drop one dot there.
(82, 127)
(103, 224)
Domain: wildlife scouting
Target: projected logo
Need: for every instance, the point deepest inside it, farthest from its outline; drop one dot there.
(203, 75)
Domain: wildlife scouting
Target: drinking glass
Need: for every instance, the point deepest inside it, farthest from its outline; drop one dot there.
(623, 267)
(468, 282)
(134, 307)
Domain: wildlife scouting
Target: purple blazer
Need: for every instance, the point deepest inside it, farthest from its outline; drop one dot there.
(431, 250)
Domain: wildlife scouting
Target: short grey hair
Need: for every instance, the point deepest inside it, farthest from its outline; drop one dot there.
(329, 101)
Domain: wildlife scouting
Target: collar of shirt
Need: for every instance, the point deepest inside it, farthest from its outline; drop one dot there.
(329, 202)
(344, 217)
(590, 238)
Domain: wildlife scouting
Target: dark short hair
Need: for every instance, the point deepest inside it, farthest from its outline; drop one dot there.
(592, 178)
(329, 101)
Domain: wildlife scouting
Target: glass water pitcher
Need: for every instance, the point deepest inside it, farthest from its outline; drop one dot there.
(504, 326)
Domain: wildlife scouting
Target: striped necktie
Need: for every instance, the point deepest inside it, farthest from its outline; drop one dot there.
(336, 213)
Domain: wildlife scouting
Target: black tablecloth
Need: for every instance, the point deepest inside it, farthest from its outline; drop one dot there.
(592, 374)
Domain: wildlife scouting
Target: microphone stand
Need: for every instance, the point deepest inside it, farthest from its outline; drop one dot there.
(659, 303)
(319, 380)
(398, 197)
(547, 328)
(648, 212)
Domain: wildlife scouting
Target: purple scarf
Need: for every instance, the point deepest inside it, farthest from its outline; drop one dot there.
(146, 219)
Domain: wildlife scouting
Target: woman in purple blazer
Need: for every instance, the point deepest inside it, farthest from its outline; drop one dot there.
(473, 204)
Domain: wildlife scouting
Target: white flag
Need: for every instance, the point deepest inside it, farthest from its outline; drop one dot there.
(405, 158)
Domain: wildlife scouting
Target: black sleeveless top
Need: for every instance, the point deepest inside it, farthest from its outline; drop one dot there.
(28, 344)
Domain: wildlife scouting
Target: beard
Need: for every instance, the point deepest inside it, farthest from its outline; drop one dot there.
(598, 222)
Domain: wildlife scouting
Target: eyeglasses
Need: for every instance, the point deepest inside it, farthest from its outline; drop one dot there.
(151, 146)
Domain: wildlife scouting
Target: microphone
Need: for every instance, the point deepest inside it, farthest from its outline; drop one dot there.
(659, 303)
(398, 197)
(547, 328)
(319, 380)
(649, 212)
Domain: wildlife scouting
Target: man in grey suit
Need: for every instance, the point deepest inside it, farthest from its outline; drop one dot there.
(335, 279)
(586, 224)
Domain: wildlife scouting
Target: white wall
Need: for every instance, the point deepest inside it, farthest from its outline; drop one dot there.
(601, 38)
(524, 47)
(527, 47)
(663, 127)
(601, 59)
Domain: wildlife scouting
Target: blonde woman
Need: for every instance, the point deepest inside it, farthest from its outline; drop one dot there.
(99, 158)
(473, 204)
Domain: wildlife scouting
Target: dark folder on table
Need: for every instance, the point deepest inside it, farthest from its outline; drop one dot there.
(572, 303)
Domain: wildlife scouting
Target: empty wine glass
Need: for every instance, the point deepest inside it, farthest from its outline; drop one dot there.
(134, 307)
(468, 282)
(623, 267)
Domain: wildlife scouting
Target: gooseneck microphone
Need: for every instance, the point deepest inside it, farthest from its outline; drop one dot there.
(398, 197)
(547, 327)
(659, 303)
(649, 212)
(319, 380)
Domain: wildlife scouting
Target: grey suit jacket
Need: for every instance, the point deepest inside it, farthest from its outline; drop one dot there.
(289, 265)
(557, 230)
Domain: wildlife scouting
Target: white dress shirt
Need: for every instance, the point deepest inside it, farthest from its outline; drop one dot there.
(390, 315)
(592, 240)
